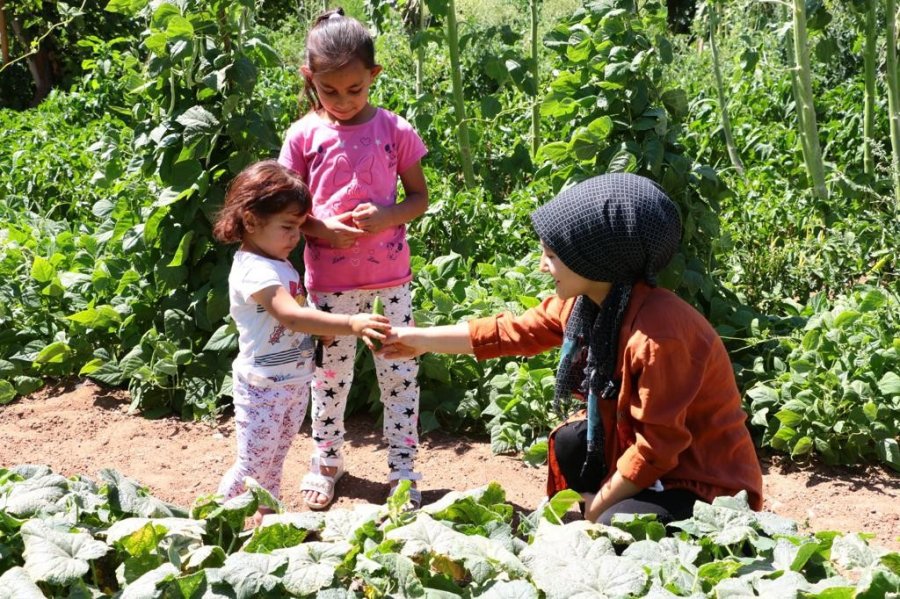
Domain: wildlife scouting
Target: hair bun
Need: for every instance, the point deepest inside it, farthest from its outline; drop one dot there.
(335, 13)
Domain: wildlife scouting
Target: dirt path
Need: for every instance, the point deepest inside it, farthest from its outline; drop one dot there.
(81, 430)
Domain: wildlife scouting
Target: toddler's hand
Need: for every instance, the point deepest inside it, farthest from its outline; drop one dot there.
(371, 218)
(400, 345)
(370, 326)
(341, 233)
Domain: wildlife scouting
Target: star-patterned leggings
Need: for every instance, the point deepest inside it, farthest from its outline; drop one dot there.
(396, 379)
(266, 420)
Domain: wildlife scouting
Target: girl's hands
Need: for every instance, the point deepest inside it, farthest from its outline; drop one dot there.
(402, 343)
(372, 218)
(370, 326)
(342, 232)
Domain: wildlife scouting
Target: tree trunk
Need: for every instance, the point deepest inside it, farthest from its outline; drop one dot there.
(720, 90)
(809, 132)
(4, 40)
(39, 64)
(462, 128)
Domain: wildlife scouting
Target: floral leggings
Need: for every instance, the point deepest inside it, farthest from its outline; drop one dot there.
(396, 380)
(266, 419)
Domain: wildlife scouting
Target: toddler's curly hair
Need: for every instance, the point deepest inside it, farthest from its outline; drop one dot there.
(264, 189)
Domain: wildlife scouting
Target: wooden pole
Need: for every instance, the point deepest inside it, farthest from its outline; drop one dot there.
(4, 40)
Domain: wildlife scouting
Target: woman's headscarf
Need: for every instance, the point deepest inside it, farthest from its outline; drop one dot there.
(617, 228)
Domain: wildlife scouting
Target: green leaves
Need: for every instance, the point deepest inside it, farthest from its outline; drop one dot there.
(619, 113)
(461, 544)
(126, 7)
(15, 583)
(481, 559)
(197, 122)
(58, 557)
(312, 566)
(837, 396)
(251, 574)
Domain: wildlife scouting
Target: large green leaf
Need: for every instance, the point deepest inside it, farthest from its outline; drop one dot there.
(250, 574)
(179, 28)
(58, 557)
(484, 559)
(225, 338)
(99, 317)
(146, 586)
(566, 562)
(16, 584)
(164, 528)
(181, 254)
(35, 494)
(889, 384)
(128, 497)
(510, 589)
(198, 122)
(55, 353)
(42, 270)
(312, 566)
(343, 525)
(7, 392)
(272, 537)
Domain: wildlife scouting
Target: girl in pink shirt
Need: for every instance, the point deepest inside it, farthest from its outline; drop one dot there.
(351, 155)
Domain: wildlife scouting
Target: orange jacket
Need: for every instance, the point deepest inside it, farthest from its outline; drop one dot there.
(678, 417)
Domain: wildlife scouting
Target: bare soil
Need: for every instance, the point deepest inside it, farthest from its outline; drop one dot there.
(82, 428)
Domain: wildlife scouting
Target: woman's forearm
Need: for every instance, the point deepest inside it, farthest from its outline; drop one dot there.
(615, 489)
(447, 339)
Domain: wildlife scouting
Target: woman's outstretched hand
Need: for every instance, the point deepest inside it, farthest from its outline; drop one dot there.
(401, 344)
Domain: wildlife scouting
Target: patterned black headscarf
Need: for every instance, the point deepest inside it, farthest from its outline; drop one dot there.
(617, 228)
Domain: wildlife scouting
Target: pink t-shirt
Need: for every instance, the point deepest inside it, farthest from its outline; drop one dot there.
(346, 165)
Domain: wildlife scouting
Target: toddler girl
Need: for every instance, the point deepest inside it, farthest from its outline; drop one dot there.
(265, 207)
(351, 155)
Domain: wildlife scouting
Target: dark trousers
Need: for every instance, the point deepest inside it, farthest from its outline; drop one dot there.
(570, 447)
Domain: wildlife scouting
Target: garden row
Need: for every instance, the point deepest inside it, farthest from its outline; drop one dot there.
(76, 537)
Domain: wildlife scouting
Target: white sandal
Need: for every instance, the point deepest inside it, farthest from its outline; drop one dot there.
(415, 495)
(320, 483)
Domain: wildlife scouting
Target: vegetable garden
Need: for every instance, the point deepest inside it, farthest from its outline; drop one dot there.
(775, 126)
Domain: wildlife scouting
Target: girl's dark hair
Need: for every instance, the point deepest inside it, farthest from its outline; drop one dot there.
(334, 41)
(264, 189)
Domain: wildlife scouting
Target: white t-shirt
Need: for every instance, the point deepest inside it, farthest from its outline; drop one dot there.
(267, 348)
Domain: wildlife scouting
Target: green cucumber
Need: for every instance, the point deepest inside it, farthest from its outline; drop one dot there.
(377, 308)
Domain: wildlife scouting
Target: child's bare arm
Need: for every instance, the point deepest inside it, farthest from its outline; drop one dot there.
(279, 303)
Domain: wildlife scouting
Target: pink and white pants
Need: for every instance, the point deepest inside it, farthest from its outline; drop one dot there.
(396, 380)
(267, 418)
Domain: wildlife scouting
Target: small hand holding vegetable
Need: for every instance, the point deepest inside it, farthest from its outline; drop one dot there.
(372, 328)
